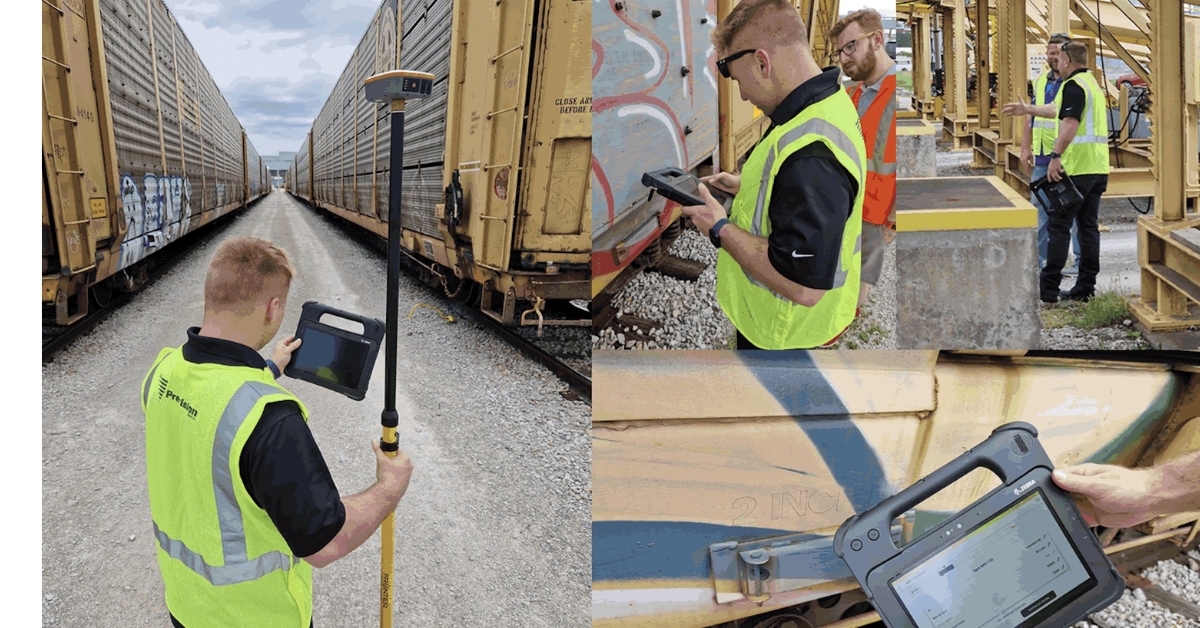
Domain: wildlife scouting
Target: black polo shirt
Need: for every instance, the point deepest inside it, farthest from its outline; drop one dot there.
(281, 466)
(1074, 100)
(812, 198)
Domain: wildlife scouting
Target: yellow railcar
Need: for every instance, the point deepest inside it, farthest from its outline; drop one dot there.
(138, 147)
(508, 127)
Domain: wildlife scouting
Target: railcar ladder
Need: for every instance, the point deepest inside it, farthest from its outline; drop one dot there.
(60, 143)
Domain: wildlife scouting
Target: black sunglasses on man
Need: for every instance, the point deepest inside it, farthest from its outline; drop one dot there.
(723, 64)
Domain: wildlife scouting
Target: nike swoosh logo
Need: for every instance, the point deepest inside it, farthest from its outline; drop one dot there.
(795, 254)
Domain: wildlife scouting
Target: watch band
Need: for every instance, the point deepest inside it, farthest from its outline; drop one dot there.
(274, 368)
(714, 234)
(1054, 155)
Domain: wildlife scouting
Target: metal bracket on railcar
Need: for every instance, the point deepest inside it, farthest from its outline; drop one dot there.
(454, 201)
(755, 570)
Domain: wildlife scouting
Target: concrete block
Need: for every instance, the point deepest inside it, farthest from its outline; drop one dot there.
(972, 289)
(967, 266)
(916, 149)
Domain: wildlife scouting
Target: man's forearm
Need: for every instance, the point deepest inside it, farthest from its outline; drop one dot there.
(1027, 138)
(1179, 483)
(1067, 127)
(750, 252)
(1041, 111)
(365, 511)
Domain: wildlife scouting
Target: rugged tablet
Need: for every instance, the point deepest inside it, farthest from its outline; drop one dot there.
(1021, 556)
(682, 187)
(334, 358)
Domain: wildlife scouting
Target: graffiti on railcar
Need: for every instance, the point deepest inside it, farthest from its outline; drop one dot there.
(153, 213)
(655, 99)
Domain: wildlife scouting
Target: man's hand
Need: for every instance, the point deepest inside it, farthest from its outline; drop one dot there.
(283, 351)
(1026, 156)
(889, 233)
(1015, 108)
(392, 472)
(1054, 171)
(706, 215)
(1111, 496)
(724, 181)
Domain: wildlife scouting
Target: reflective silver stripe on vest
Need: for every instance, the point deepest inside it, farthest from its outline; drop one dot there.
(816, 126)
(150, 380)
(1089, 136)
(876, 163)
(1043, 123)
(830, 132)
(237, 568)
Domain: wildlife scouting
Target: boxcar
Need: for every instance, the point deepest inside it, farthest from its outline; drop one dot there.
(508, 127)
(139, 147)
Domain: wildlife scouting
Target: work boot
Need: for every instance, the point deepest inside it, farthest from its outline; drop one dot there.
(1071, 295)
(1049, 298)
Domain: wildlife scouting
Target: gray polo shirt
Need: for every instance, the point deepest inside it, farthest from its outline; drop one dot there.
(871, 91)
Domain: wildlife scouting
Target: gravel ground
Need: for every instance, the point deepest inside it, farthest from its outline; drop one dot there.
(1133, 610)
(500, 492)
(692, 319)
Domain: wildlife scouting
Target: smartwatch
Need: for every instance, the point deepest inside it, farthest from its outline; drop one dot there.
(1054, 155)
(714, 233)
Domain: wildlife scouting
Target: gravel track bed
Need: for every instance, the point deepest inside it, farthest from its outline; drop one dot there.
(692, 319)
(502, 460)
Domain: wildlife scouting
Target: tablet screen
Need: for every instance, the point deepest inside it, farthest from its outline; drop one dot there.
(1000, 575)
(332, 358)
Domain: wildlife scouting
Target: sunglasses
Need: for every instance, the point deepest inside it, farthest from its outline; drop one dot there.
(723, 64)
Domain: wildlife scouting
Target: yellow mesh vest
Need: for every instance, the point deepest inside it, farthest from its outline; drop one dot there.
(223, 562)
(769, 320)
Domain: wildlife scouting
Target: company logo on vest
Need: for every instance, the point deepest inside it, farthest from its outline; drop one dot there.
(164, 392)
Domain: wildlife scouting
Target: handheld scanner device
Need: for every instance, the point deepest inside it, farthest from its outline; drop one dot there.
(1019, 557)
(399, 85)
(334, 358)
(682, 187)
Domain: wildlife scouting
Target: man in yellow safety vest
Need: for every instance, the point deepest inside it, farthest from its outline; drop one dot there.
(1080, 153)
(243, 505)
(790, 250)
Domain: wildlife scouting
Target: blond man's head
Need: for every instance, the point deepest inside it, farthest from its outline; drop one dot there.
(763, 46)
(248, 279)
(762, 24)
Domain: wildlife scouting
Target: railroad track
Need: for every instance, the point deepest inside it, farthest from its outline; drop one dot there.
(55, 338)
(579, 383)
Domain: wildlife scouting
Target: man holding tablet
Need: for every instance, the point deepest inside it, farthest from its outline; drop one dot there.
(242, 502)
(790, 248)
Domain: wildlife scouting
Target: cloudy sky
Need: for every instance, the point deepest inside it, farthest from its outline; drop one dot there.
(277, 60)
(274, 60)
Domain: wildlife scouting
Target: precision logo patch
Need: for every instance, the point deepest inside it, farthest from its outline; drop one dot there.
(163, 391)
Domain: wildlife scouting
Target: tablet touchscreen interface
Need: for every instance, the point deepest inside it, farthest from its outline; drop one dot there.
(1012, 571)
(331, 357)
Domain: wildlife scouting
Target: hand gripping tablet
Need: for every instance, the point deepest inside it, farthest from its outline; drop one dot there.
(682, 187)
(989, 564)
(334, 358)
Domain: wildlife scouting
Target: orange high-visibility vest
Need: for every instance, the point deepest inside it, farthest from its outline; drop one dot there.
(879, 134)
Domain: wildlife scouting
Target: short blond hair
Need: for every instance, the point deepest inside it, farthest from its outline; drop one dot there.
(244, 270)
(777, 20)
(868, 19)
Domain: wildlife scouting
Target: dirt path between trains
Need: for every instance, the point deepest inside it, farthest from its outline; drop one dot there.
(494, 531)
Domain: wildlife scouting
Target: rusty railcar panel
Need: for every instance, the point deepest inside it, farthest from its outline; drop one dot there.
(555, 192)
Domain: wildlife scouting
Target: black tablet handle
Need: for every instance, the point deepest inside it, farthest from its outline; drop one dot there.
(1004, 453)
(313, 311)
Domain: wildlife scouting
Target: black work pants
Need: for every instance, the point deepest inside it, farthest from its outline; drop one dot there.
(1087, 214)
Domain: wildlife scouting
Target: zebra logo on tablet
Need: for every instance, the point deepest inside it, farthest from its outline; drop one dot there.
(1019, 557)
